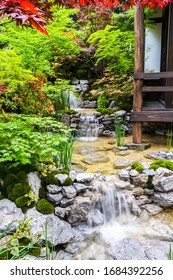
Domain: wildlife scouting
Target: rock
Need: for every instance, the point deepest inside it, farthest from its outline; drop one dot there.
(133, 249)
(95, 218)
(72, 175)
(85, 178)
(143, 199)
(119, 184)
(111, 142)
(133, 173)
(128, 249)
(58, 231)
(78, 212)
(152, 209)
(61, 177)
(108, 133)
(55, 199)
(34, 181)
(94, 158)
(66, 201)
(62, 255)
(69, 191)
(138, 191)
(164, 184)
(123, 162)
(9, 215)
(124, 175)
(60, 212)
(72, 248)
(140, 180)
(89, 104)
(112, 104)
(120, 113)
(79, 187)
(163, 199)
(53, 189)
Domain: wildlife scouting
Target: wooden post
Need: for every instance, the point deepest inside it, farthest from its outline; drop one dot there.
(139, 67)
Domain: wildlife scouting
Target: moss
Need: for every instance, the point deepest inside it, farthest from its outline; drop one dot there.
(21, 189)
(51, 179)
(9, 189)
(68, 181)
(42, 192)
(150, 182)
(64, 171)
(4, 255)
(35, 251)
(3, 172)
(162, 163)
(22, 176)
(137, 166)
(67, 111)
(105, 111)
(45, 207)
(1, 196)
(10, 179)
(21, 201)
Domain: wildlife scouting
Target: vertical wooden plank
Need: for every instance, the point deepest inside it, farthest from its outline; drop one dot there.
(139, 67)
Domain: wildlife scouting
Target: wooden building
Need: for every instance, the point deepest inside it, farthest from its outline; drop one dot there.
(153, 90)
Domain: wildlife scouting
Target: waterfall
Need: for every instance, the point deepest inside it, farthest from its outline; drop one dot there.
(89, 128)
(74, 101)
(114, 206)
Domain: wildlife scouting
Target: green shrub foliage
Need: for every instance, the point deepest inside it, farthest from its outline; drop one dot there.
(162, 163)
(137, 166)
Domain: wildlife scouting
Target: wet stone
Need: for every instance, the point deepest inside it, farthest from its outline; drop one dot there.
(152, 209)
(53, 189)
(55, 199)
(79, 187)
(66, 201)
(60, 212)
(69, 192)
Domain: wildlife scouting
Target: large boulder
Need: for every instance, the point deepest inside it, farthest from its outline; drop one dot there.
(10, 214)
(58, 231)
(35, 182)
(163, 199)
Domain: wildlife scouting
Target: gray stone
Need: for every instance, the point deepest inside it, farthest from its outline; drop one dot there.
(72, 175)
(60, 212)
(124, 175)
(78, 212)
(119, 184)
(95, 218)
(111, 142)
(120, 113)
(55, 199)
(84, 177)
(123, 162)
(108, 133)
(143, 199)
(62, 255)
(133, 249)
(79, 187)
(66, 201)
(35, 182)
(61, 177)
(53, 189)
(140, 180)
(163, 199)
(164, 184)
(134, 173)
(9, 215)
(152, 209)
(138, 191)
(95, 158)
(69, 191)
(72, 248)
(58, 231)
(128, 249)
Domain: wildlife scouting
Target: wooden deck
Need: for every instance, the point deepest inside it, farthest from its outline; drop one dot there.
(153, 112)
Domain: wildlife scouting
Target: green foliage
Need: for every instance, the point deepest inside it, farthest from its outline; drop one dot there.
(20, 243)
(150, 182)
(166, 163)
(137, 166)
(51, 179)
(67, 111)
(115, 47)
(120, 131)
(118, 88)
(170, 255)
(169, 139)
(44, 206)
(101, 101)
(28, 140)
(66, 153)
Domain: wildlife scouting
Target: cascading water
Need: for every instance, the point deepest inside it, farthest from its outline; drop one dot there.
(89, 128)
(114, 206)
(74, 101)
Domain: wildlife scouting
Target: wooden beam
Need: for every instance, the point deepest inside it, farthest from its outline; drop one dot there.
(152, 116)
(157, 88)
(157, 75)
(139, 67)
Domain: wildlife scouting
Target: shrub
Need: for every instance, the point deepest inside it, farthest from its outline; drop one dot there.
(102, 101)
(45, 207)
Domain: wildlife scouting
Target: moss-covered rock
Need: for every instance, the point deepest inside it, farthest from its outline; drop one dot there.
(67, 111)
(166, 163)
(137, 166)
(21, 201)
(45, 207)
(105, 111)
(68, 181)
(10, 179)
(21, 189)
(42, 192)
(51, 179)
(22, 176)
